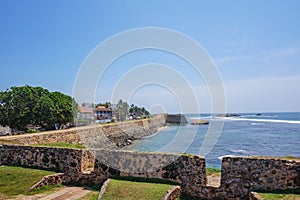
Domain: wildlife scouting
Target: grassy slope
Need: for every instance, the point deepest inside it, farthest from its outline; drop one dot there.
(90, 196)
(287, 195)
(17, 180)
(269, 196)
(128, 190)
(213, 172)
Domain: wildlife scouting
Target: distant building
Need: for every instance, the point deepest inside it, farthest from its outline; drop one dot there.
(103, 113)
(86, 113)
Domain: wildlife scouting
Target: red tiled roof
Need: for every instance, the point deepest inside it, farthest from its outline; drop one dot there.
(84, 109)
(102, 108)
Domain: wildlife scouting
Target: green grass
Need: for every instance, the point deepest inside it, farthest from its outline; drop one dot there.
(213, 172)
(274, 157)
(60, 144)
(2, 141)
(128, 190)
(93, 195)
(17, 180)
(286, 195)
(142, 179)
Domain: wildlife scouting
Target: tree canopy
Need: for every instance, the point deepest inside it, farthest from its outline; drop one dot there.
(138, 111)
(20, 106)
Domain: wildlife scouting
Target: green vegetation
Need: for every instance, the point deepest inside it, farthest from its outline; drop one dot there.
(136, 111)
(141, 179)
(273, 157)
(47, 189)
(93, 195)
(7, 142)
(213, 171)
(106, 104)
(127, 190)
(35, 106)
(17, 180)
(61, 144)
(286, 194)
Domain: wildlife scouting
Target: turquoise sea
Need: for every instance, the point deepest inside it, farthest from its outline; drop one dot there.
(250, 134)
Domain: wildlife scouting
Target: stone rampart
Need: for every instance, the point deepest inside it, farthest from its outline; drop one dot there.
(240, 175)
(110, 136)
(56, 159)
(187, 170)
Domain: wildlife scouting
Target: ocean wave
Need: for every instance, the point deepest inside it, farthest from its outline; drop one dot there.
(262, 116)
(261, 120)
(256, 124)
(238, 151)
(200, 117)
(221, 157)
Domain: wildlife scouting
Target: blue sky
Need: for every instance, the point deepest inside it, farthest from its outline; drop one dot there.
(255, 45)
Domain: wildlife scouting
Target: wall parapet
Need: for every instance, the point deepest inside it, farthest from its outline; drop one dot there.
(243, 174)
(240, 175)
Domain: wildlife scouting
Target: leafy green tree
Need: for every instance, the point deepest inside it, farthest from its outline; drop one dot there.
(20, 106)
(106, 104)
(65, 108)
(138, 111)
(131, 109)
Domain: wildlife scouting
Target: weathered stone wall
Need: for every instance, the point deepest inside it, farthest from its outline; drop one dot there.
(103, 189)
(56, 159)
(241, 175)
(254, 196)
(54, 179)
(122, 134)
(109, 136)
(187, 170)
(173, 193)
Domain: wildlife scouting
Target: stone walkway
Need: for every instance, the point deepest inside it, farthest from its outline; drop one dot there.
(213, 181)
(67, 193)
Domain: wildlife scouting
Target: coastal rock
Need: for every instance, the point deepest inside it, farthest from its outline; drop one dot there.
(200, 122)
(176, 119)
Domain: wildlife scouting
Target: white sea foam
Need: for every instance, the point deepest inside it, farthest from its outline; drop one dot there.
(238, 151)
(256, 124)
(261, 120)
(196, 118)
(221, 157)
(262, 116)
